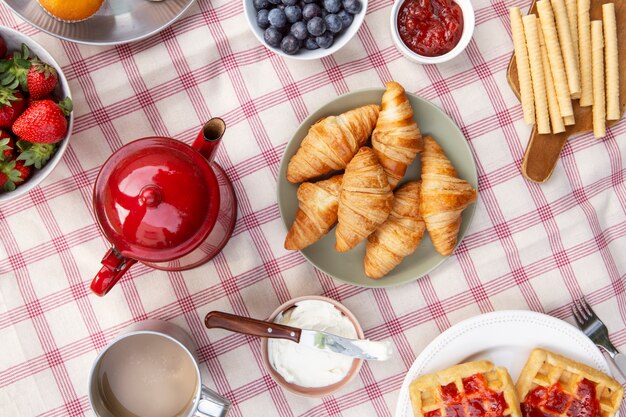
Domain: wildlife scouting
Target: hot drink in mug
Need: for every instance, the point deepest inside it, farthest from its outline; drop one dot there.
(150, 371)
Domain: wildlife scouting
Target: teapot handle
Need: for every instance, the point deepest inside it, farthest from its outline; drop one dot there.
(114, 266)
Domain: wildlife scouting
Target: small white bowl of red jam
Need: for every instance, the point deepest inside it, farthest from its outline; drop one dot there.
(432, 31)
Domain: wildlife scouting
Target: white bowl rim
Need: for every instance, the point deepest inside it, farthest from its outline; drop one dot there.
(249, 11)
(63, 144)
(469, 23)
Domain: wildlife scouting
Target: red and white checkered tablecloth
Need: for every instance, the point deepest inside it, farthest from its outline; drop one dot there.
(530, 246)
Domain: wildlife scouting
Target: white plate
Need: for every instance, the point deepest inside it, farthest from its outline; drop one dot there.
(117, 21)
(505, 338)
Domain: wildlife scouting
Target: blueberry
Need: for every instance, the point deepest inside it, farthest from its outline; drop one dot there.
(310, 11)
(333, 6)
(275, 2)
(346, 18)
(333, 23)
(261, 4)
(273, 36)
(289, 2)
(277, 18)
(262, 20)
(311, 44)
(325, 41)
(290, 45)
(298, 30)
(316, 26)
(352, 6)
(293, 13)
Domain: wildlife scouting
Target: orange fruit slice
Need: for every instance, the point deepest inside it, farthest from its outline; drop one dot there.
(71, 10)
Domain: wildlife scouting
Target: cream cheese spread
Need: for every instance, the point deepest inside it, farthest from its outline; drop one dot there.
(307, 366)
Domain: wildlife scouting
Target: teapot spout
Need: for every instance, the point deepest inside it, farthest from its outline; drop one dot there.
(209, 138)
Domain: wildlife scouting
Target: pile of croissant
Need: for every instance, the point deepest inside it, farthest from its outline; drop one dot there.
(362, 201)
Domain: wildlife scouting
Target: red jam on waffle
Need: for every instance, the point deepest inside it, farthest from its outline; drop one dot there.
(553, 401)
(476, 400)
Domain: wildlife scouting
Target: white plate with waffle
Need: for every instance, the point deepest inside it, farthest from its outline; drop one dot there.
(505, 338)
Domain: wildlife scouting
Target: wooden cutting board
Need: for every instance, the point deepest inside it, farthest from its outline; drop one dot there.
(542, 152)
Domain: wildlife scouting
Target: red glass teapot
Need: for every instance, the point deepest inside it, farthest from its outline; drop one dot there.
(163, 203)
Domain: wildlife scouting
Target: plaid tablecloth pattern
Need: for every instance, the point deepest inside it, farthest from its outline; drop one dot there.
(530, 246)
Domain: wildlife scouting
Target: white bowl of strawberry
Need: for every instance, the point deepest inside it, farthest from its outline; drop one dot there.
(35, 114)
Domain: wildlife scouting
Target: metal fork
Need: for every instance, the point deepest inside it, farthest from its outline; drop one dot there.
(595, 330)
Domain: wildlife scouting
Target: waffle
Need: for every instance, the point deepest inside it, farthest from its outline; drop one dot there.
(552, 385)
(473, 389)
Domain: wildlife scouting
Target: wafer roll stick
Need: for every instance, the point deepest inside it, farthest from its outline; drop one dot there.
(597, 72)
(572, 17)
(557, 67)
(567, 46)
(569, 120)
(584, 53)
(611, 62)
(523, 66)
(536, 73)
(553, 105)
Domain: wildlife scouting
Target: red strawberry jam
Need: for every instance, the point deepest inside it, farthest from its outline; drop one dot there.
(430, 27)
(477, 400)
(552, 401)
(586, 405)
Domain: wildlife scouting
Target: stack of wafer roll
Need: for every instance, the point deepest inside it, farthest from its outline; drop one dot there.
(561, 56)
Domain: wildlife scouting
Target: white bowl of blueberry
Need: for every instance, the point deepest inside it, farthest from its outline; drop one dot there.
(304, 29)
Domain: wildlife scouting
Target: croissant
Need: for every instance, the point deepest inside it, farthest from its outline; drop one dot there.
(317, 212)
(365, 200)
(396, 139)
(331, 143)
(398, 236)
(443, 197)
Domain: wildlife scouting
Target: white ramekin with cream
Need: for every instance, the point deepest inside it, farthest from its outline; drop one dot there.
(308, 371)
(306, 366)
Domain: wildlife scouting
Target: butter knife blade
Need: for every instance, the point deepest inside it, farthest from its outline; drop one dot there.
(361, 349)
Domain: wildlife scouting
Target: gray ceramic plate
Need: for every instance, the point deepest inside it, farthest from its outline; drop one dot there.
(348, 267)
(118, 21)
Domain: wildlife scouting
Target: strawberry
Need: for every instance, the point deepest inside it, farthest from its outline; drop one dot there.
(30, 100)
(23, 170)
(41, 79)
(12, 105)
(7, 146)
(12, 174)
(44, 121)
(37, 154)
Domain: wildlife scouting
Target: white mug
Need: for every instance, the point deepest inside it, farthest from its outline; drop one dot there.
(206, 403)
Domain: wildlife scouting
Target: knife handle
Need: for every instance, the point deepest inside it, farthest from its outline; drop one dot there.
(252, 327)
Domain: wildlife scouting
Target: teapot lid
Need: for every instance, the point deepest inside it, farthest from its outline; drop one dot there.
(156, 199)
